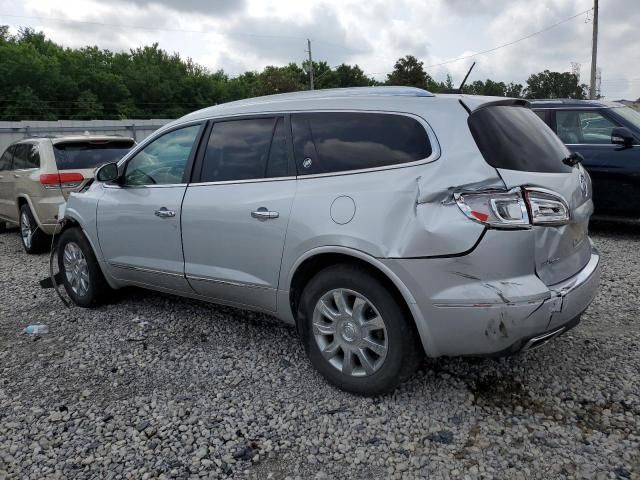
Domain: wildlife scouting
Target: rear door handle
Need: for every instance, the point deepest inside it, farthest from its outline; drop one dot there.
(264, 214)
(15, 175)
(164, 213)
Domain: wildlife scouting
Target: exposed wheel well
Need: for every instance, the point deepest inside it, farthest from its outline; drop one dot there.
(313, 265)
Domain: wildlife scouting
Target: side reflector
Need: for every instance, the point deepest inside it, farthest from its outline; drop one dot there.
(480, 216)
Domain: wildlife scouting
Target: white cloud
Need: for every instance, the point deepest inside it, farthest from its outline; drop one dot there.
(249, 34)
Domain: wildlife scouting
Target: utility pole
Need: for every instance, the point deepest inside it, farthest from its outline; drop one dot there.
(594, 52)
(311, 65)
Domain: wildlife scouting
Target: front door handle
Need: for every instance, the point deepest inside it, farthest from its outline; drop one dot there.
(264, 214)
(15, 175)
(164, 213)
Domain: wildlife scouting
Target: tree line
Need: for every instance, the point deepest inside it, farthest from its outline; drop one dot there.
(41, 80)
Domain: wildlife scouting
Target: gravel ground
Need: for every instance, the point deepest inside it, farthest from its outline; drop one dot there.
(153, 386)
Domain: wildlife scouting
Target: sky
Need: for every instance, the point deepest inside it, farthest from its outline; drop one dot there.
(242, 35)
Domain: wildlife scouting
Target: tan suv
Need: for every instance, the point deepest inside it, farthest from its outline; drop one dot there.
(37, 175)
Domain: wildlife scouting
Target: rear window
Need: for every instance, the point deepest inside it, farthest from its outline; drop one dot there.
(89, 154)
(515, 138)
(339, 141)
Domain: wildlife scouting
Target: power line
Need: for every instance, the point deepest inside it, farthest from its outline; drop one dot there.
(512, 42)
(498, 47)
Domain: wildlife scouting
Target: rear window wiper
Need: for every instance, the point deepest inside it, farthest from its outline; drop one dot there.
(573, 159)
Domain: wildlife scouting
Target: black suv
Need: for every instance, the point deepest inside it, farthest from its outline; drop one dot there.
(607, 135)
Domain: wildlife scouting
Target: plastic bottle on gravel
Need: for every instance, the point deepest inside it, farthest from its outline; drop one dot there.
(36, 329)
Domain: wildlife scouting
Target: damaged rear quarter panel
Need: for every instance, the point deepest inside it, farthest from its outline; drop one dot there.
(401, 212)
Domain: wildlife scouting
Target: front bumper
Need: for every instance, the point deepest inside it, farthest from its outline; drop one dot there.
(460, 313)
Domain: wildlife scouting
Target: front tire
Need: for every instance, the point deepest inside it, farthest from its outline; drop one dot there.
(34, 240)
(355, 332)
(81, 275)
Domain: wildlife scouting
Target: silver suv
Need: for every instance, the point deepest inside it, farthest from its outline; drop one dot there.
(383, 223)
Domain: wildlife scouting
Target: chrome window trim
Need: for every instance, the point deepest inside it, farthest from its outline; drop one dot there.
(433, 140)
(127, 187)
(609, 145)
(534, 107)
(249, 180)
(368, 170)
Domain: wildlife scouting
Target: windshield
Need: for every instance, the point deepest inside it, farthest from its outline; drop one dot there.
(89, 154)
(630, 115)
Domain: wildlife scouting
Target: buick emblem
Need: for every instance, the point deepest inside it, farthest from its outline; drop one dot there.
(583, 184)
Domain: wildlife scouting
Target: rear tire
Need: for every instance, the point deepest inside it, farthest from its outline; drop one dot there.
(34, 240)
(81, 274)
(355, 332)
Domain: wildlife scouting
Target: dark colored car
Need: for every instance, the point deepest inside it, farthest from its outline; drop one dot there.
(607, 135)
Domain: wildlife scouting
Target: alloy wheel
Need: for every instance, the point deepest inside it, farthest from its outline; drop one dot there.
(26, 232)
(350, 332)
(76, 269)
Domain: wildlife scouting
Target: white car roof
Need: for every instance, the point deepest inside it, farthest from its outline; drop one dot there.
(398, 99)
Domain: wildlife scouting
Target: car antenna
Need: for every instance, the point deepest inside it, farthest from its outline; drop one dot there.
(459, 89)
(465, 77)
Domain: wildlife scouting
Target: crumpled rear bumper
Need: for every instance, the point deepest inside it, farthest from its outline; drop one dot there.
(464, 306)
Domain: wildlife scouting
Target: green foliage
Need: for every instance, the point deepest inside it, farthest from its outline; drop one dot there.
(280, 80)
(495, 89)
(555, 85)
(88, 106)
(45, 81)
(409, 72)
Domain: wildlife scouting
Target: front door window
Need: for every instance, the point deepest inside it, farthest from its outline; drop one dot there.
(583, 127)
(163, 161)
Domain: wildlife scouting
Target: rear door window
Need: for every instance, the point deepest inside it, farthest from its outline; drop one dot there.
(327, 142)
(89, 154)
(515, 138)
(583, 127)
(245, 150)
(5, 160)
(21, 157)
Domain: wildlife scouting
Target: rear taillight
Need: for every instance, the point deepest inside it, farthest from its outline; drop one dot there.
(61, 180)
(516, 208)
(546, 208)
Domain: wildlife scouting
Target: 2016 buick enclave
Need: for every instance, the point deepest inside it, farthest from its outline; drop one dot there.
(383, 222)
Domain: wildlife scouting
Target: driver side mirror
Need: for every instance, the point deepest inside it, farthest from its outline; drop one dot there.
(622, 136)
(107, 173)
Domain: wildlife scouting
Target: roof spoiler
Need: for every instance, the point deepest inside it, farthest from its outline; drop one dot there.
(507, 102)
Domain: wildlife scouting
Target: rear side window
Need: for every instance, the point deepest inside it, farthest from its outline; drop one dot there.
(21, 156)
(244, 150)
(515, 138)
(5, 160)
(33, 157)
(89, 154)
(327, 142)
